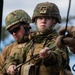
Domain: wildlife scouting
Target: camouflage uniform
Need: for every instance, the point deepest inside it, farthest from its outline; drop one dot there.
(57, 62)
(13, 18)
(53, 65)
(1, 73)
(58, 59)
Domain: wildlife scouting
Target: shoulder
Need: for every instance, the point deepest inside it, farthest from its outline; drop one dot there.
(10, 45)
(7, 49)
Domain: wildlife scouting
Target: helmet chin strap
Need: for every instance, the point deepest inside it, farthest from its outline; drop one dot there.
(27, 27)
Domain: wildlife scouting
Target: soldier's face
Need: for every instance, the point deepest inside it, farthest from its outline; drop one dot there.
(43, 23)
(17, 32)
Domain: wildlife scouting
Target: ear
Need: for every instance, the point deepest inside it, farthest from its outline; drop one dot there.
(27, 26)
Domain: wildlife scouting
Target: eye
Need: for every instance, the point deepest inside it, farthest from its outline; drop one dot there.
(40, 17)
(15, 30)
(49, 18)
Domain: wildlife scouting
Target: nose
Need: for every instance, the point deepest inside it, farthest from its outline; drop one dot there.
(43, 20)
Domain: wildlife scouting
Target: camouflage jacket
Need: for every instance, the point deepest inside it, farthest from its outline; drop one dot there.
(9, 51)
(56, 61)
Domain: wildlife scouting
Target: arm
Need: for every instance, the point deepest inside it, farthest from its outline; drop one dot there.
(13, 60)
(57, 57)
(1, 73)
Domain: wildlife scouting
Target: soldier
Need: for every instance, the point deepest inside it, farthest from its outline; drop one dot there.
(55, 61)
(47, 58)
(17, 24)
(68, 40)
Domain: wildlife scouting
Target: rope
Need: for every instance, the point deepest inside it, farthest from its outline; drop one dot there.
(67, 17)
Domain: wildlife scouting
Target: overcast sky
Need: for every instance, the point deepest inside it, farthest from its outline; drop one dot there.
(29, 5)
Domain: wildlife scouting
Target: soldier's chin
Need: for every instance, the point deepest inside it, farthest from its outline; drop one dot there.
(22, 40)
(19, 41)
(42, 30)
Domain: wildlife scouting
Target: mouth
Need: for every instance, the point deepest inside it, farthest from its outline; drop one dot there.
(17, 37)
(42, 25)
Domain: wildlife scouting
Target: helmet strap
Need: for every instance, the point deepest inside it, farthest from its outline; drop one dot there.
(27, 27)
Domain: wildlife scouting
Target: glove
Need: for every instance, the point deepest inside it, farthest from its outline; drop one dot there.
(72, 50)
(70, 30)
(60, 41)
(69, 40)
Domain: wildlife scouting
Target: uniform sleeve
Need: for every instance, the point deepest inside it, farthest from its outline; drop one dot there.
(58, 58)
(15, 59)
(1, 72)
(4, 55)
(11, 60)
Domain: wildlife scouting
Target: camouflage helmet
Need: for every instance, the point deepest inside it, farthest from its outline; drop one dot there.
(16, 17)
(47, 9)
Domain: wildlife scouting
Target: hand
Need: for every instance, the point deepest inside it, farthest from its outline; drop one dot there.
(44, 53)
(70, 30)
(69, 41)
(11, 70)
(59, 43)
(72, 50)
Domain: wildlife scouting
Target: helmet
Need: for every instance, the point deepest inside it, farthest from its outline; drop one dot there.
(47, 9)
(16, 17)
